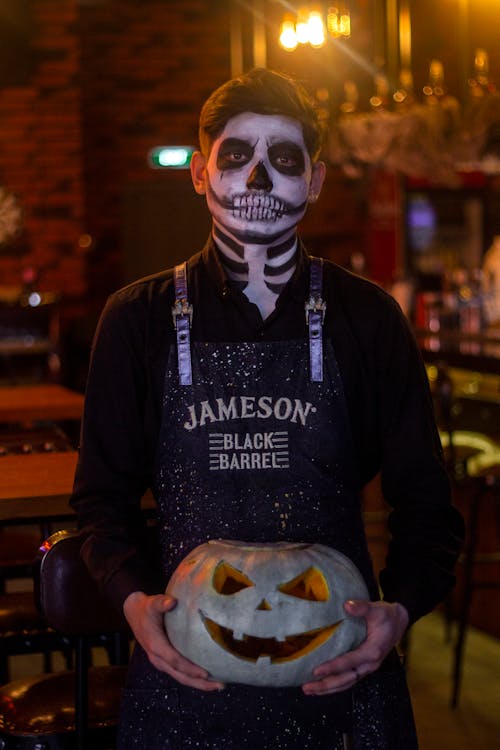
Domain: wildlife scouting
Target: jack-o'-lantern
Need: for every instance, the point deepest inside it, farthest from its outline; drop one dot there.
(264, 614)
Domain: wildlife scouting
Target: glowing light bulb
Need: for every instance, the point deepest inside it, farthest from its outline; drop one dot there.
(288, 37)
(316, 30)
(332, 21)
(345, 24)
(338, 22)
(301, 27)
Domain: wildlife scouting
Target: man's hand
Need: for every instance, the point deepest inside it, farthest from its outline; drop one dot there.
(145, 615)
(385, 625)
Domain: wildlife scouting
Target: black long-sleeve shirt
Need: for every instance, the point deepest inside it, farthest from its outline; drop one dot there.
(387, 395)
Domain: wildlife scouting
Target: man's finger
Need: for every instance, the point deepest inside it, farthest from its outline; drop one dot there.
(163, 603)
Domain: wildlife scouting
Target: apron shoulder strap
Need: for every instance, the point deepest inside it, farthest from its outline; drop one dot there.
(182, 314)
(315, 315)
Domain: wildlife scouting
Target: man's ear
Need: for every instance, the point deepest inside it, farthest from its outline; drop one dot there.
(317, 179)
(198, 168)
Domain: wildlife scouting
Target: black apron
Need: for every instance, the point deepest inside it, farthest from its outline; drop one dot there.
(255, 450)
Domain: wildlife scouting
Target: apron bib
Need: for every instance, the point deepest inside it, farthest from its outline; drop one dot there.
(254, 449)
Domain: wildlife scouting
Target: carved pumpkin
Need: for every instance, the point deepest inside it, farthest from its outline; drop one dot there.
(264, 614)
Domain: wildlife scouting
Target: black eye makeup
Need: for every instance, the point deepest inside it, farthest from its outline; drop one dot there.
(287, 157)
(234, 153)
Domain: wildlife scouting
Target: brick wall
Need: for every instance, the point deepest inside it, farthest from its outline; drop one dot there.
(111, 79)
(40, 153)
(146, 68)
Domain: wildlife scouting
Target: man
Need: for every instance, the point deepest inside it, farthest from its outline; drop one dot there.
(323, 368)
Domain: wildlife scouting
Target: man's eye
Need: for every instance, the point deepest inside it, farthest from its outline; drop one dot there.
(287, 158)
(286, 161)
(233, 155)
(232, 159)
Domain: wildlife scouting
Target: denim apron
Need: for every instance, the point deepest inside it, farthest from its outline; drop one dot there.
(257, 447)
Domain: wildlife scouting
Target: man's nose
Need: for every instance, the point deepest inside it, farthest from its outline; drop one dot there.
(259, 178)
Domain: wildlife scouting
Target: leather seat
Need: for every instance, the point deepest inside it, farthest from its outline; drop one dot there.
(42, 714)
(72, 709)
(25, 630)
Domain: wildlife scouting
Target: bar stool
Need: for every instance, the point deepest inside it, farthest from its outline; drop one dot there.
(18, 546)
(24, 630)
(459, 443)
(483, 484)
(473, 463)
(77, 709)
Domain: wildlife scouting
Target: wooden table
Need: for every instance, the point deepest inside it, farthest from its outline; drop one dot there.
(45, 402)
(36, 486)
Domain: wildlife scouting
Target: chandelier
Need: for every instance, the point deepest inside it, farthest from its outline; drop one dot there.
(314, 27)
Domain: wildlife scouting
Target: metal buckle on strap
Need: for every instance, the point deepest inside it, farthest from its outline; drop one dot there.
(315, 309)
(315, 304)
(182, 315)
(181, 309)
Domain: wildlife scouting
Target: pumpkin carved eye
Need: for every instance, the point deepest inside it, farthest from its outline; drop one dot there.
(310, 585)
(228, 580)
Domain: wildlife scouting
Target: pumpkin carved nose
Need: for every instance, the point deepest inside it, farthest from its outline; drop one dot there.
(264, 606)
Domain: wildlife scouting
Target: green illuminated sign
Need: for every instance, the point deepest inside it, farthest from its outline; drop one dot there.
(170, 157)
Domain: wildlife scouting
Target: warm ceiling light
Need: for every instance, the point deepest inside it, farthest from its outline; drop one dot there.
(302, 27)
(338, 22)
(316, 29)
(308, 27)
(288, 37)
(345, 24)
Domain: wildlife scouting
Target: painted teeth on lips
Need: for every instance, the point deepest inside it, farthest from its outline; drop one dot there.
(258, 207)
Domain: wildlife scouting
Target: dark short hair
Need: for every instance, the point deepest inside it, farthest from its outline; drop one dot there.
(265, 92)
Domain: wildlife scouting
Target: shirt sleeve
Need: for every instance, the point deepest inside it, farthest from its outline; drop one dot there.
(426, 531)
(113, 470)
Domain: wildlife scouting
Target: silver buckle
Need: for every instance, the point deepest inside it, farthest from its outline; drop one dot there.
(180, 309)
(315, 304)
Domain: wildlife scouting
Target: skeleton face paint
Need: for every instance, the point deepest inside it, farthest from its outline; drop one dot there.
(258, 177)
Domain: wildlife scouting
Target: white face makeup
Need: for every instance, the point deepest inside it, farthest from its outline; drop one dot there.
(258, 177)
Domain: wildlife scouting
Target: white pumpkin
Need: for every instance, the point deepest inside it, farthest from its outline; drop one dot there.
(264, 614)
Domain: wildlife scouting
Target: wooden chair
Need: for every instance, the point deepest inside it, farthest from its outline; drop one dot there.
(70, 710)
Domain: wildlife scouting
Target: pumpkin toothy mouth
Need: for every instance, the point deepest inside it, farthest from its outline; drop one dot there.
(252, 648)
